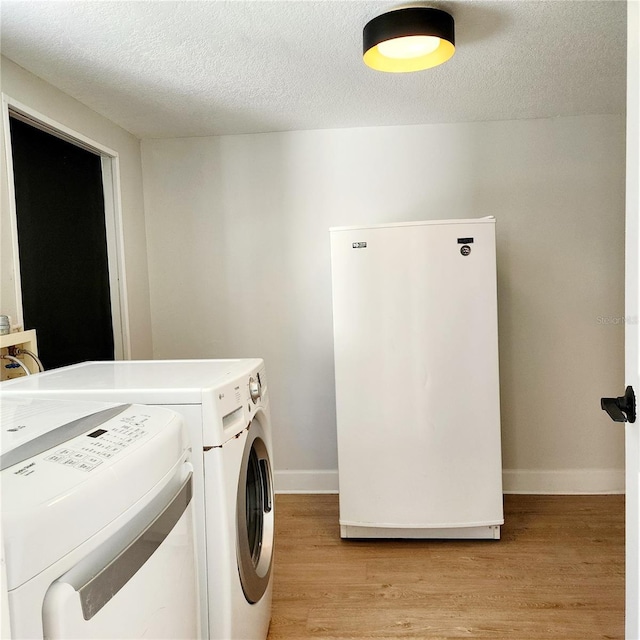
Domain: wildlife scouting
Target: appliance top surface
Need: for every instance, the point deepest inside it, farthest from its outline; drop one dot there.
(151, 376)
(53, 447)
(418, 223)
(24, 419)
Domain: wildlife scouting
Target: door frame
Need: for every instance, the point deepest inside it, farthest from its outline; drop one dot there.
(632, 331)
(110, 163)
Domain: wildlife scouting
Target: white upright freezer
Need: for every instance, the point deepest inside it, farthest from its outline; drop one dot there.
(417, 390)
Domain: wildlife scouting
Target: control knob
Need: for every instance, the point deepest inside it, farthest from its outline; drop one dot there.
(255, 390)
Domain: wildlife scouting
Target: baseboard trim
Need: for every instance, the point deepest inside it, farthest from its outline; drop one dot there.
(306, 481)
(525, 481)
(563, 481)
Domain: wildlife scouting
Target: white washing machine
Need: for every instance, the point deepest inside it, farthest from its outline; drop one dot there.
(226, 407)
(97, 521)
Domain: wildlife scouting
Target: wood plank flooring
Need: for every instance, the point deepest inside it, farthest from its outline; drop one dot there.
(557, 573)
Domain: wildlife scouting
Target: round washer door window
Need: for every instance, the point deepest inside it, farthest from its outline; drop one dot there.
(255, 515)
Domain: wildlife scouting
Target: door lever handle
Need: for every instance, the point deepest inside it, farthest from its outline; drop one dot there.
(621, 409)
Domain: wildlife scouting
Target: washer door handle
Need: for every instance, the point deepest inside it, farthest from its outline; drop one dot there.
(265, 473)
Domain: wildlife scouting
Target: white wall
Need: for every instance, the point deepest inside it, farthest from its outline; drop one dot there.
(53, 103)
(238, 246)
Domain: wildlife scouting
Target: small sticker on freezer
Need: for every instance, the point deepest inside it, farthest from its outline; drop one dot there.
(359, 245)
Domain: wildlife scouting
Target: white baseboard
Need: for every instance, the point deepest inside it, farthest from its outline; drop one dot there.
(563, 481)
(306, 481)
(574, 481)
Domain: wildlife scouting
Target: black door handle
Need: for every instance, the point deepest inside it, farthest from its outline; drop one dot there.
(622, 409)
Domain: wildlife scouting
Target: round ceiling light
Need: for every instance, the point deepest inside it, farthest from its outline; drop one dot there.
(409, 39)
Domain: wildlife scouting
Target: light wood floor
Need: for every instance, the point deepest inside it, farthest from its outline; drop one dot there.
(557, 573)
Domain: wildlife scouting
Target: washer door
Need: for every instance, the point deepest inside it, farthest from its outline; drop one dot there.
(255, 515)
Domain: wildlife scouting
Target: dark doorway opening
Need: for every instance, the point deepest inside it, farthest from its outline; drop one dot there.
(62, 243)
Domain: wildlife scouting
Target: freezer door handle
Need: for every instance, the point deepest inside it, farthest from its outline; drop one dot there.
(621, 409)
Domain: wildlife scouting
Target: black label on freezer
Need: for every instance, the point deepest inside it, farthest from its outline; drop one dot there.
(465, 240)
(359, 245)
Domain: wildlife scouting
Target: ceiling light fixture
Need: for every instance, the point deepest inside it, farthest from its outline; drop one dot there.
(409, 39)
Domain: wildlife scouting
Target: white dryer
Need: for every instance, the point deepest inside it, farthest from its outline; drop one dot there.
(226, 407)
(97, 521)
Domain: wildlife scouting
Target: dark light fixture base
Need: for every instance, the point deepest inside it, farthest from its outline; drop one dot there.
(404, 24)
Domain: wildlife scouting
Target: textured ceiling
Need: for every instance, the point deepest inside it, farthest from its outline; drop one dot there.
(194, 68)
